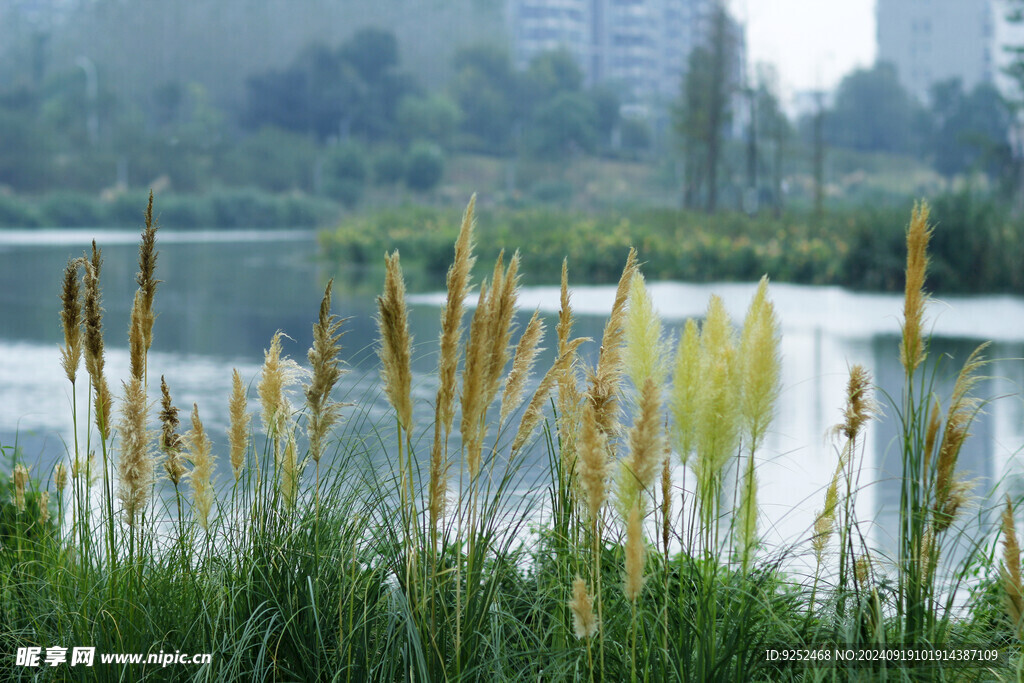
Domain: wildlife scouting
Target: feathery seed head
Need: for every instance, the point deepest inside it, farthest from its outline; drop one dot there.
(60, 476)
(644, 352)
(44, 507)
(584, 620)
(395, 342)
(686, 384)
(135, 466)
(912, 346)
(860, 406)
(593, 461)
(565, 310)
(20, 482)
(534, 409)
(606, 377)
(451, 319)
(760, 366)
(323, 357)
(170, 441)
(137, 339)
(71, 320)
(238, 432)
(93, 343)
(646, 449)
(522, 362)
(144, 278)
(201, 477)
(1010, 571)
(717, 431)
(635, 553)
(277, 374)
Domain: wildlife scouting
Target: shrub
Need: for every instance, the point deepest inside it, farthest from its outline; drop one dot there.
(345, 174)
(72, 210)
(425, 167)
(16, 213)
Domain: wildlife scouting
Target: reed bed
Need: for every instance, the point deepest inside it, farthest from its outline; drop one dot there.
(645, 560)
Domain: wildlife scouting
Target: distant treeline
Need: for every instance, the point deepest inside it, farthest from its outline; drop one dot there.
(328, 123)
(228, 208)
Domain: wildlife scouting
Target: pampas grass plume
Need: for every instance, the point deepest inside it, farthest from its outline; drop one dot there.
(535, 408)
(644, 353)
(1013, 590)
(686, 386)
(201, 476)
(604, 379)
(44, 507)
(60, 476)
(912, 346)
(635, 553)
(584, 620)
(144, 278)
(20, 482)
(717, 430)
(71, 321)
(396, 343)
(326, 371)
(522, 362)
(593, 461)
(170, 441)
(93, 338)
(238, 431)
(760, 366)
(639, 469)
(135, 466)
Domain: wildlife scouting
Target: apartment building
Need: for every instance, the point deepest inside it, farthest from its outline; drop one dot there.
(640, 46)
(930, 41)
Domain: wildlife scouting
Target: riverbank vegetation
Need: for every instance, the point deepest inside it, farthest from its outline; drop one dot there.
(642, 554)
(976, 248)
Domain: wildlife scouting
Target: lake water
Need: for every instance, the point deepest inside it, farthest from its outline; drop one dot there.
(226, 293)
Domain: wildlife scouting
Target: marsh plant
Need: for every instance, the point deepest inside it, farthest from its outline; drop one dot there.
(645, 560)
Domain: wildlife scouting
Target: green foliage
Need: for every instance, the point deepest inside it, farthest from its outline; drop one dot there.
(873, 112)
(564, 124)
(389, 166)
(272, 159)
(345, 173)
(72, 210)
(424, 167)
(972, 130)
(17, 213)
(434, 118)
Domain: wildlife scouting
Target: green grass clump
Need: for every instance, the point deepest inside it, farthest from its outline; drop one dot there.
(417, 552)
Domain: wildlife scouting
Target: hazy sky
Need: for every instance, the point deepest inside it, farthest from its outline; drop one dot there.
(812, 43)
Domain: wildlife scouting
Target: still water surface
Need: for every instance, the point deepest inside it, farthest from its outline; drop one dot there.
(226, 293)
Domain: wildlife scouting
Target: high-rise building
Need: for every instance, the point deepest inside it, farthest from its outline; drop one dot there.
(640, 46)
(929, 41)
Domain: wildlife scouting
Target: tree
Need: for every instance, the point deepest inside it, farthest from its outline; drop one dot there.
(425, 167)
(565, 124)
(775, 130)
(971, 129)
(485, 88)
(1016, 72)
(434, 118)
(873, 113)
(704, 111)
